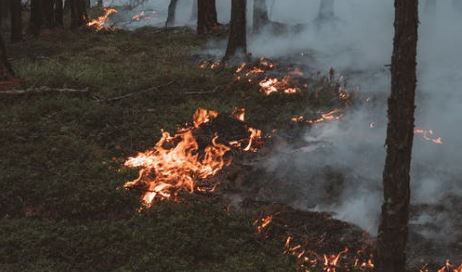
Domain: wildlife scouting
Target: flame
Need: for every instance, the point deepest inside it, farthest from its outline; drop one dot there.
(448, 267)
(263, 223)
(427, 134)
(239, 114)
(202, 116)
(275, 85)
(332, 115)
(100, 22)
(255, 135)
(138, 16)
(175, 163)
(331, 262)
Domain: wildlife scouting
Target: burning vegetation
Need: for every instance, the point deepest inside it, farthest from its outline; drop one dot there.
(101, 23)
(177, 163)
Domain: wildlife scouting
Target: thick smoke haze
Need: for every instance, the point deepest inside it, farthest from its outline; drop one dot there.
(358, 45)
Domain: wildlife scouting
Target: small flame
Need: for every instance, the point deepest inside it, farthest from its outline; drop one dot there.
(100, 22)
(138, 16)
(427, 134)
(263, 223)
(239, 114)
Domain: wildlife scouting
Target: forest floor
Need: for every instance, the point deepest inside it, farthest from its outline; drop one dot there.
(61, 172)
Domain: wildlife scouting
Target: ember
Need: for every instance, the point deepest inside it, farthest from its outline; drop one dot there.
(100, 22)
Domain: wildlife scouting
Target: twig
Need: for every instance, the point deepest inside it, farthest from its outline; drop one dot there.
(192, 93)
(117, 98)
(46, 90)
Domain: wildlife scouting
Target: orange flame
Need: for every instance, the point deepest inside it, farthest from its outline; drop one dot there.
(427, 134)
(263, 223)
(100, 22)
(174, 163)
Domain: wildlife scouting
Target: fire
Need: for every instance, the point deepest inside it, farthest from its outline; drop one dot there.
(307, 259)
(275, 85)
(263, 223)
(176, 163)
(331, 261)
(239, 114)
(427, 134)
(448, 267)
(138, 16)
(332, 115)
(100, 22)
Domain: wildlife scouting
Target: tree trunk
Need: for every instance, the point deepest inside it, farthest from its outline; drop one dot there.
(171, 13)
(35, 17)
(59, 13)
(100, 3)
(260, 15)
(79, 15)
(16, 20)
(237, 43)
(6, 72)
(48, 13)
(4, 10)
(393, 229)
(207, 16)
(326, 10)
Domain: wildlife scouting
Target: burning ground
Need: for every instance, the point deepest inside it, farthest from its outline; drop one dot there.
(76, 199)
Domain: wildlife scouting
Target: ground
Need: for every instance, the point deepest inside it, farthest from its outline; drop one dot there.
(61, 170)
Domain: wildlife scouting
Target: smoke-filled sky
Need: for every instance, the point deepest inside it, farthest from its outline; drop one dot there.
(359, 46)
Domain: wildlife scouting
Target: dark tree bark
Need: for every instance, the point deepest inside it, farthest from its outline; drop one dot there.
(47, 8)
(100, 3)
(59, 13)
(393, 229)
(171, 13)
(4, 9)
(237, 43)
(207, 20)
(35, 17)
(79, 15)
(16, 20)
(6, 72)
(260, 15)
(326, 10)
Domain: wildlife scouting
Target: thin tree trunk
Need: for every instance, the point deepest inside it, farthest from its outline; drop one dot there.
(4, 10)
(59, 13)
(237, 43)
(326, 10)
(79, 15)
(260, 15)
(393, 229)
(207, 16)
(48, 13)
(171, 13)
(16, 20)
(100, 3)
(6, 72)
(35, 17)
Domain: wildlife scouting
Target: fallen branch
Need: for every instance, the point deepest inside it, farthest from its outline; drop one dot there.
(128, 95)
(46, 90)
(117, 98)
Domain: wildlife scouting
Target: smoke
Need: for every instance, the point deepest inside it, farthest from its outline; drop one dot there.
(359, 46)
(348, 156)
